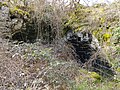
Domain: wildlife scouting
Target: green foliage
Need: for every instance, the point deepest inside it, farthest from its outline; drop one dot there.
(18, 7)
(116, 35)
(82, 86)
(59, 73)
(118, 69)
(46, 53)
(42, 54)
(77, 18)
(118, 50)
(3, 4)
(86, 85)
(103, 36)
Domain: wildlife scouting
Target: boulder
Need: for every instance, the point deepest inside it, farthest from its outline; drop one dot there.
(88, 52)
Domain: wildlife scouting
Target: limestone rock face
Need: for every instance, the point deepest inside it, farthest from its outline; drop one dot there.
(88, 52)
(14, 26)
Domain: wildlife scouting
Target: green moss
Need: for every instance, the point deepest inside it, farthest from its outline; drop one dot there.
(118, 69)
(3, 4)
(95, 75)
(18, 11)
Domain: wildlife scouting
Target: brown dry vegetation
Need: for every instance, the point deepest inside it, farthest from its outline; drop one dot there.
(41, 66)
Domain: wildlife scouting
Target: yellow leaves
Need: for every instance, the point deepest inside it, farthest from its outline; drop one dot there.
(106, 37)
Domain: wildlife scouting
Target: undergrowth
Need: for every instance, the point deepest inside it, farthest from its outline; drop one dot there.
(48, 63)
